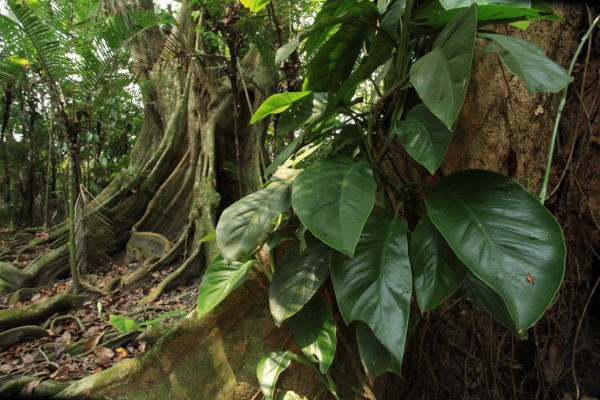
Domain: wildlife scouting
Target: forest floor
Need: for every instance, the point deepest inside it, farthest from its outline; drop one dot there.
(83, 341)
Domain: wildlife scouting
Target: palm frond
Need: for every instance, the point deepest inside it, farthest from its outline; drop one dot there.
(94, 238)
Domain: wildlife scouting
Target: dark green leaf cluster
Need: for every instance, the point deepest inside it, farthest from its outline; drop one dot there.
(484, 236)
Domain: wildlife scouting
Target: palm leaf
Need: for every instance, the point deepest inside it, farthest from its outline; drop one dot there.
(94, 238)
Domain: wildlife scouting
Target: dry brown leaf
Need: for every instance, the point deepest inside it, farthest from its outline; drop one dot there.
(28, 358)
(28, 389)
(66, 337)
(102, 361)
(5, 368)
(92, 342)
(104, 352)
(62, 372)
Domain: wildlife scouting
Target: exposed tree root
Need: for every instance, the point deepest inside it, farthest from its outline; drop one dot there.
(213, 357)
(170, 281)
(21, 295)
(18, 388)
(40, 270)
(41, 310)
(16, 335)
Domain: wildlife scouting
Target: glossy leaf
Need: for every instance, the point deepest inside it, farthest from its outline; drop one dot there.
(442, 75)
(432, 15)
(333, 13)
(255, 5)
(424, 137)
(475, 289)
(277, 104)
(303, 112)
(437, 270)
(374, 356)
(315, 332)
(529, 62)
(333, 199)
(375, 286)
(245, 224)
(504, 236)
(297, 278)
(220, 279)
(269, 368)
(334, 61)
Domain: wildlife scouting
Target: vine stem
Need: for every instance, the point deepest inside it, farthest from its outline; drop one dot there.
(561, 106)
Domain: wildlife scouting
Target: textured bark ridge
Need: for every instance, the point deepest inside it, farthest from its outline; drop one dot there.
(213, 357)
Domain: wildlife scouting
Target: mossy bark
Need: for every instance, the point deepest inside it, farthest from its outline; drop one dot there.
(213, 357)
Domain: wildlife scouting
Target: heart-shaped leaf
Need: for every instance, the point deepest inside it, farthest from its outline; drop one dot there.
(297, 278)
(375, 286)
(314, 331)
(245, 224)
(504, 235)
(437, 271)
(529, 62)
(424, 137)
(269, 368)
(333, 199)
(220, 279)
(442, 75)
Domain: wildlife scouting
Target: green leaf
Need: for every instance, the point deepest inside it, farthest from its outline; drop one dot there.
(289, 395)
(314, 331)
(123, 324)
(449, 4)
(330, 15)
(297, 278)
(475, 289)
(333, 199)
(529, 62)
(335, 60)
(442, 75)
(277, 104)
(504, 236)
(374, 356)
(424, 137)
(269, 368)
(284, 155)
(168, 314)
(220, 279)
(287, 49)
(381, 49)
(303, 112)
(437, 271)
(375, 286)
(432, 16)
(245, 224)
(254, 5)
